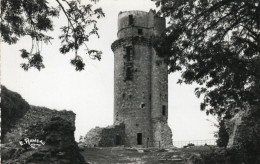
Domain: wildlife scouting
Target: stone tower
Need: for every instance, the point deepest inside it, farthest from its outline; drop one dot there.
(140, 81)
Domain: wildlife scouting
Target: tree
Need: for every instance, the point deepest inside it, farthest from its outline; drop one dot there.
(215, 43)
(34, 18)
(222, 135)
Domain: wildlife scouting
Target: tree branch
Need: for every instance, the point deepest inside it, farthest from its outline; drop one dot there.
(64, 11)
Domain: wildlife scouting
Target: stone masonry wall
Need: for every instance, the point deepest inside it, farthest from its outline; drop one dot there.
(142, 20)
(159, 88)
(105, 137)
(132, 97)
(139, 100)
(162, 133)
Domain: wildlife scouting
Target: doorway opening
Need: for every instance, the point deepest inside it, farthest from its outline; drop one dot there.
(139, 138)
(118, 140)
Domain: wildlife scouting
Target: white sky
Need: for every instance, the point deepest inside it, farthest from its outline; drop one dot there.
(89, 93)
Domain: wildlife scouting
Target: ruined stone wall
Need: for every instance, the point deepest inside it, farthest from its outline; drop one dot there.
(244, 128)
(244, 134)
(105, 137)
(33, 115)
(13, 108)
(55, 128)
(232, 126)
(59, 147)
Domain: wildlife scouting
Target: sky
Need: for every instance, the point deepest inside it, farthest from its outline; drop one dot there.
(89, 93)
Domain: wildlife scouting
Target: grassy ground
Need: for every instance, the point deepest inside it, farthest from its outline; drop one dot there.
(124, 155)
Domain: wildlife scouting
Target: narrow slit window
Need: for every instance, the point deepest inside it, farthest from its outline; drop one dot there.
(131, 19)
(116, 116)
(128, 73)
(128, 54)
(164, 110)
(140, 31)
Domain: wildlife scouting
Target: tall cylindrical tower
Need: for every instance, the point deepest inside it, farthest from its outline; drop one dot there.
(140, 79)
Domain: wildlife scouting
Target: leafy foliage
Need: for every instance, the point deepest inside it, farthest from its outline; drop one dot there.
(34, 18)
(215, 43)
